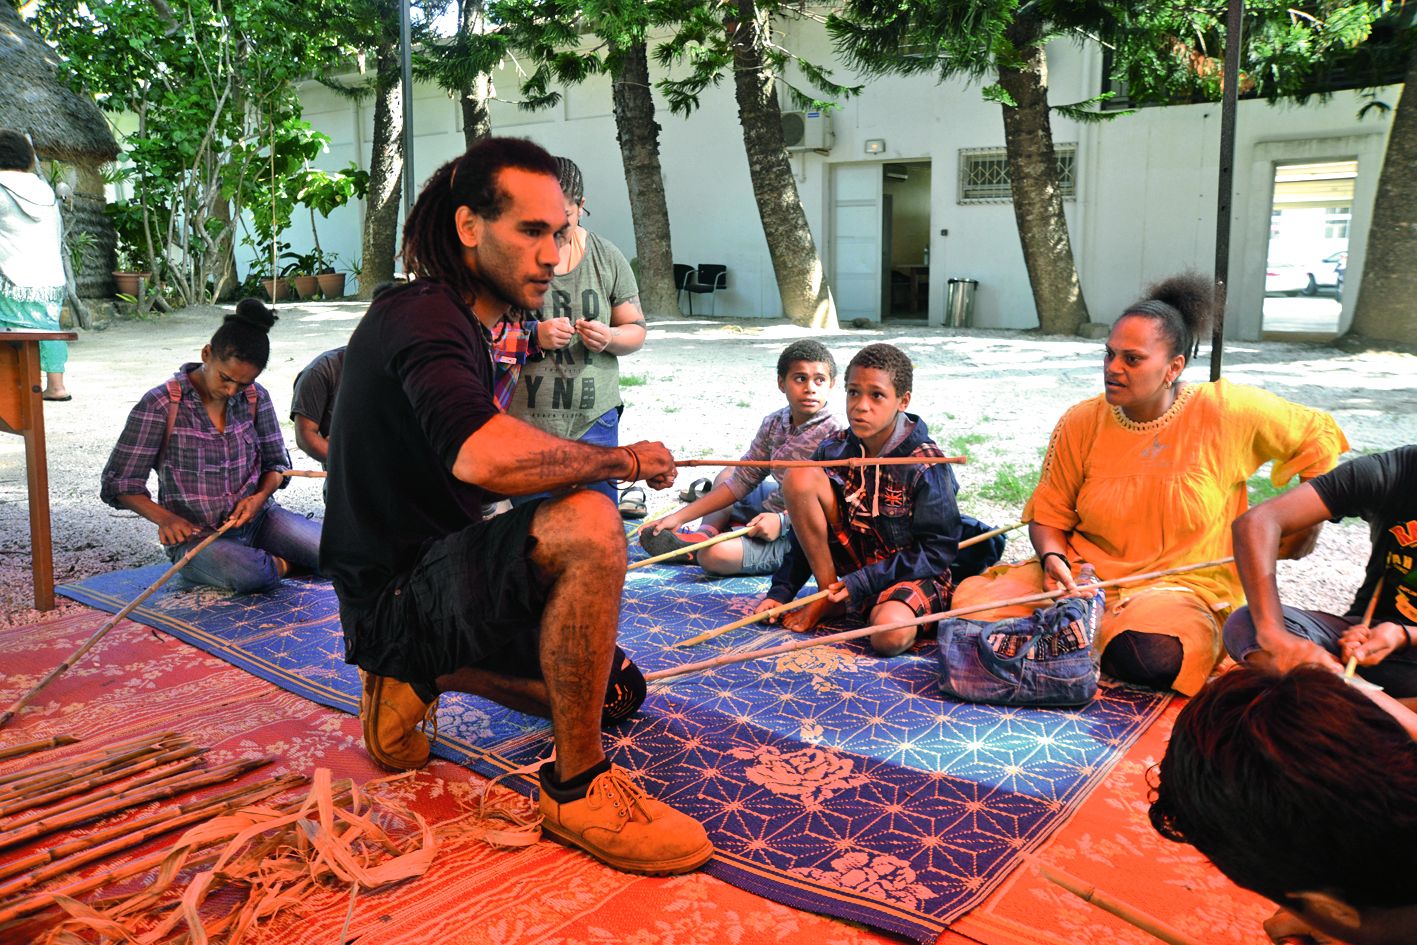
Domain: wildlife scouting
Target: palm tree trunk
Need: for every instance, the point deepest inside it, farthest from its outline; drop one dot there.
(381, 217)
(801, 280)
(638, 134)
(1033, 182)
(1384, 307)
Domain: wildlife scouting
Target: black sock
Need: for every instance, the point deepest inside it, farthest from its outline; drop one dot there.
(428, 692)
(626, 691)
(574, 788)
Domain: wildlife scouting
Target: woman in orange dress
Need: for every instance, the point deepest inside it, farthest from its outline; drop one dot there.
(1149, 475)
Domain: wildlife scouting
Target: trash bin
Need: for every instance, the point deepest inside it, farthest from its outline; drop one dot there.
(959, 302)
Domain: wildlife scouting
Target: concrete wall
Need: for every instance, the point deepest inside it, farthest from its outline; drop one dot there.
(1144, 209)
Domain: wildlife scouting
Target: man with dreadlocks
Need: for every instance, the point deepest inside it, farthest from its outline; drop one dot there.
(1378, 489)
(521, 608)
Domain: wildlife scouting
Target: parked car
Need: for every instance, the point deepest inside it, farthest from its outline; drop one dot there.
(1286, 279)
(1326, 272)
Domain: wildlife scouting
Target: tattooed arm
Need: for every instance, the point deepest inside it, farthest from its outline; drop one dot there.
(510, 457)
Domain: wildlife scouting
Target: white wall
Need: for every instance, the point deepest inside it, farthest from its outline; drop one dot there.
(1146, 182)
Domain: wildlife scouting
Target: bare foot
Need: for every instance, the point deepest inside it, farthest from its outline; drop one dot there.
(800, 621)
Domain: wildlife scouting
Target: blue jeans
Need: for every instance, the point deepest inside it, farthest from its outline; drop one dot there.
(1397, 674)
(605, 431)
(241, 560)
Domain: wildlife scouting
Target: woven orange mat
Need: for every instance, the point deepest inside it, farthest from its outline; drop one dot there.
(136, 682)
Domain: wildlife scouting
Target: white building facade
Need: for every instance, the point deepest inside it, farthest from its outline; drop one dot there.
(905, 195)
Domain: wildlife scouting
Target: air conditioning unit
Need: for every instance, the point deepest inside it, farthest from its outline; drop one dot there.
(807, 131)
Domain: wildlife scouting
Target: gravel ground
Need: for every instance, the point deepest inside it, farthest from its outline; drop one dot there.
(700, 386)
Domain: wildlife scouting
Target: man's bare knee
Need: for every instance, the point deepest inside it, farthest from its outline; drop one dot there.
(583, 524)
(893, 642)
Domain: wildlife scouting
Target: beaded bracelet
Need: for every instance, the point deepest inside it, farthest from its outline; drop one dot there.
(1043, 559)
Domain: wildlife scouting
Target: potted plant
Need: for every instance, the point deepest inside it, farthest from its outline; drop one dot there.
(127, 277)
(302, 271)
(331, 281)
(128, 273)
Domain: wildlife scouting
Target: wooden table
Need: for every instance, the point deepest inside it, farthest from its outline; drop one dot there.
(22, 412)
(919, 285)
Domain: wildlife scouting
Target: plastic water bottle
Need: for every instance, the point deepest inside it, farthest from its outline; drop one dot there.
(1086, 574)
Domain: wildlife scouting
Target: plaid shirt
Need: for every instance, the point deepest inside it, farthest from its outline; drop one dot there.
(510, 344)
(777, 438)
(204, 473)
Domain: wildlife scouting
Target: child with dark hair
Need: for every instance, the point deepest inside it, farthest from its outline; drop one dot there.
(1300, 788)
(881, 538)
(744, 495)
(212, 436)
(1148, 476)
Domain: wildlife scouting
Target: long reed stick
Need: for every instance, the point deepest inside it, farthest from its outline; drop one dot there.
(29, 748)
(151, 786)
(40, 783)
(727, 658)
(690, 549)
(103, 752)
(97, 780)
(304, 473)
(225, 772)
(804, 601)
(38, 902)
(1368, 612)
(99, 634)
(1132, 916)
(850, 461)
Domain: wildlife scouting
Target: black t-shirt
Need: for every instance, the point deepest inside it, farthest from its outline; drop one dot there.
(416, 384)
(316, 387)
(1381, 490)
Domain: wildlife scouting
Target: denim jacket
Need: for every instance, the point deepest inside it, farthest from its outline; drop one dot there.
(901, 522)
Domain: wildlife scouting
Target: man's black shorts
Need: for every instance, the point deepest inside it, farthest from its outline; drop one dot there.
(472, 600)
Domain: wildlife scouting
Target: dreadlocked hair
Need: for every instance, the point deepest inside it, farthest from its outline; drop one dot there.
(1182, 307)
(431, 248)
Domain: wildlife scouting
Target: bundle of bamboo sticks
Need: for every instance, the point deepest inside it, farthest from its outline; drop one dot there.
(245, 858)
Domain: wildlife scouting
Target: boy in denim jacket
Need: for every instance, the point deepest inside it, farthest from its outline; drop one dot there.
(881, 538)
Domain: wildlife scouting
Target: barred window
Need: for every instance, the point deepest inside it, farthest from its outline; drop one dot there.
(984, 174)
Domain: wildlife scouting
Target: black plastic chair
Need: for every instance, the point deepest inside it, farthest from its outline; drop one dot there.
(683, 280)
(711, 277)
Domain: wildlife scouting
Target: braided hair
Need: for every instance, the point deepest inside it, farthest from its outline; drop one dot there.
(572, 183)
(431, 248)
(1182, 307)
(245, 334)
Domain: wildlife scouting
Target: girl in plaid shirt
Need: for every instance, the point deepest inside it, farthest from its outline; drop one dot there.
(212, 436)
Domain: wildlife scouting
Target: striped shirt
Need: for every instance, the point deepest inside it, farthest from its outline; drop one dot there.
(204, 472)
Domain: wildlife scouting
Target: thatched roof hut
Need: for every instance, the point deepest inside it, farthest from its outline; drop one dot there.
(65, 126)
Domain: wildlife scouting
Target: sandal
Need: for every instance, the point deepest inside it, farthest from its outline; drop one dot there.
(632, 503)
(697, 489)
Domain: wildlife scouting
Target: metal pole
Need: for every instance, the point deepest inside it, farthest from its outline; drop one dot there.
(406, 52)
(1225, 185)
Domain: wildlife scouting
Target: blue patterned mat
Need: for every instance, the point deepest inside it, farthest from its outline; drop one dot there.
(829, 779)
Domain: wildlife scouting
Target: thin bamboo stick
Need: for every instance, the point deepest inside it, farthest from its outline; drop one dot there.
(727, 658)
(153, 786)
(1132, 916)
(99, 634)
(116, 845)
(753, 618)
(216, 775)
(823, 463)
(304, 473)
(104, 752)
(29, 748)
(690, 549)
(98, 780)
(1368, 611)
(804, 601)
(40, 783)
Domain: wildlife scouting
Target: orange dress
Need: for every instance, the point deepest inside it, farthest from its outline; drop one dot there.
(1138, 497)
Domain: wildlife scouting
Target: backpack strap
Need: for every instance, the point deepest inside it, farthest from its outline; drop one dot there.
(174, 397)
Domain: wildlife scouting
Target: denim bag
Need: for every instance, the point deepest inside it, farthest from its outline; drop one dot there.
(1044, 659)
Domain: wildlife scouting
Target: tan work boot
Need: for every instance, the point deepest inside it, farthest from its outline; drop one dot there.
(622, 826)
(391, 714)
